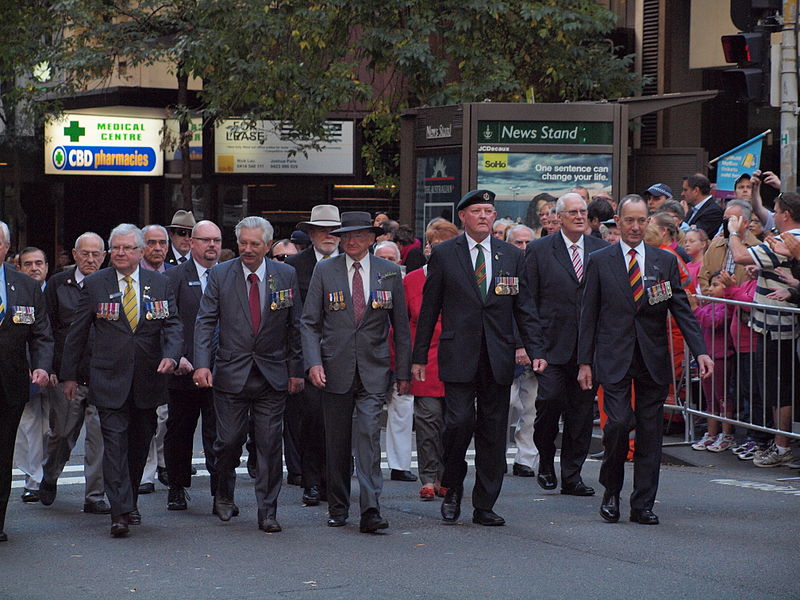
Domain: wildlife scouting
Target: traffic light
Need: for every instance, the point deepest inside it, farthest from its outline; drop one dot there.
(750, 51)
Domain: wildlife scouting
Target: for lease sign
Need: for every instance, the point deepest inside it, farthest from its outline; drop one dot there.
(78, 144)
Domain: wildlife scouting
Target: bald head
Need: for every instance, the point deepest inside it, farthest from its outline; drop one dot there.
(206, 243)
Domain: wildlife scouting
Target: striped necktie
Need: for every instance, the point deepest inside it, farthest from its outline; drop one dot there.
(577, 263)
(129, 304)
(2, 310)
(635, 277)
(480, 271)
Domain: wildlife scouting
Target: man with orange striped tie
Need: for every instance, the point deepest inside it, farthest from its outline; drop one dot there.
(475, 282)
(623, 339)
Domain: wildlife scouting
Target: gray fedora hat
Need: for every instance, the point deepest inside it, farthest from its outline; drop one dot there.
(355, 220)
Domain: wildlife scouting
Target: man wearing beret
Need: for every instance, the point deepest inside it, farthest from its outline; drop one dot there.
(475, 282)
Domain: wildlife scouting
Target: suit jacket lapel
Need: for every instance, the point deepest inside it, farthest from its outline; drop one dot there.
(466, 262)
(239, 287)
(562, 255)
(192, 275)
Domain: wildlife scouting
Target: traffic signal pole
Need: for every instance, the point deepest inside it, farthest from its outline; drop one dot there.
(788, 90)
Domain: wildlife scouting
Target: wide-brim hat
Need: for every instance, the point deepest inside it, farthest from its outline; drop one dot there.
(183, 219)
(322, 215)
(355, 220)
(475, 197)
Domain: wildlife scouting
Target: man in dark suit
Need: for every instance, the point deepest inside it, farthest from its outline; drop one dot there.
(324, 245)
(137, 341)
(24, 331)
(475, 282)
(554, 272)
(186, 400)
(630, 288)
(704, 212)
(180, 233)
(254, 306)
(351, 302)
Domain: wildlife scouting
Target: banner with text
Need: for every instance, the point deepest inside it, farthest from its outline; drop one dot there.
(745, 158)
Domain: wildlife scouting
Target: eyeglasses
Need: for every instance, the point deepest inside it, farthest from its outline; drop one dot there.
(575, 212)
(208, 240)
(182, 232)
(124, 249)
(281, 257)
(87, 254)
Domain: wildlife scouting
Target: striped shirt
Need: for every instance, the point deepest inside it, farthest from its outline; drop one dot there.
(780, 325)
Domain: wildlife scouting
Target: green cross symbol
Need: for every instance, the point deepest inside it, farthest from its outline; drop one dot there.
(59, 158)
(74, 131)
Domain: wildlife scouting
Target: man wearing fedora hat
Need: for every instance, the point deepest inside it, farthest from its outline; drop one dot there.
(351, 301)
(180, 235)
(324, 245)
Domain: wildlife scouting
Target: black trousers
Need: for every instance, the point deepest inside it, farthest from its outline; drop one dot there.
(648, 420)
(312, 437)
(479, 408)
(185, 408)
(127, 432)
(292, 424)
(10, 415)
(561, 395)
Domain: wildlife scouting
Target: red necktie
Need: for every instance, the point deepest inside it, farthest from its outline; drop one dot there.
(359, 304)
(255, 302)
(577, 263)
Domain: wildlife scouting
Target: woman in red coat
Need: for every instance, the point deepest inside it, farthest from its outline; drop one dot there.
(428, 394)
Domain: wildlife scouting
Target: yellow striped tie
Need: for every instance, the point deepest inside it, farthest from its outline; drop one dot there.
(129, 304)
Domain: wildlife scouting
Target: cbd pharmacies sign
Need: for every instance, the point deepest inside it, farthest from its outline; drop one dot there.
(78, 144)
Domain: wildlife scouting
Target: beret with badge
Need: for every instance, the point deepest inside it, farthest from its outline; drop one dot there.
(475, 197)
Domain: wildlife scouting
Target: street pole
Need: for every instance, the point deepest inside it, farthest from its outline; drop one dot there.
(789, 96)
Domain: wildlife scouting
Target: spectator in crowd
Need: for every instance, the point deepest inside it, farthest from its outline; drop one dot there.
(389, 228)
(180, 232)
(282, 249)
(537, 210)
(656, 195)
(411, 255)
(300, 240)
(743, 187)
(599, 210)
(553, 223)
(671, 235)
(500, 227)
(611, 233)
(582, 192)
(696, 243)
(757, 179)
(608, 198)
(675, 210)
(380, 218)
(226, 254)
(756, 228)
(705, 212)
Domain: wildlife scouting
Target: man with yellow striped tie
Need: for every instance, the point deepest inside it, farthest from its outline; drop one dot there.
(622, 339)
(24, 326)
(137, 342)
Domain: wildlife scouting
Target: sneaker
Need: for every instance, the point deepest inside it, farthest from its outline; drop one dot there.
(795, 464)
(762, 450)
(722, 443)
(745, 446)
(704, 442)
(750, 453)
(773, 459)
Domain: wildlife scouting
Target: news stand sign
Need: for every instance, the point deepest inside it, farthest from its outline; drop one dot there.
(78, 144)
(743, 159)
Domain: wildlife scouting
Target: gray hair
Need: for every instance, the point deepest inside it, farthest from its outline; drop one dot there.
(672, 206)
(561, 201)
(512, 230)
(147, 228)
(87, 235)
(126, 229)
(747, 208)
(4, 231)
(256, 223)
(388, 244)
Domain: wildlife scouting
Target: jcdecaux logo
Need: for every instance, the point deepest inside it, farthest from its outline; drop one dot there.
(104, 158)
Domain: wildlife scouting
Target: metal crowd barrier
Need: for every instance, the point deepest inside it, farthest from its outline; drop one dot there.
(752, 383)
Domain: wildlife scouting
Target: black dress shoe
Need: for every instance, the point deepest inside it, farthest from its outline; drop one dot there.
(162, 475)
(47, 493)
(523, 470)
(609, 509)
(147, 488)
(30, 496)
(269, 525)
(579, 489)
(398, 475)
(451, 505)
(311, 496)
(372, 521)
(100, 507)
(119, 527)
(135, 517)
(294, 479)
(487, 517)
(337, 521)
(194, 470)
(3, 536)
(644, 516)
(598, 455)
(176, 499)
(252, 470)
(214, 508)
(547, 479)
(223, 509)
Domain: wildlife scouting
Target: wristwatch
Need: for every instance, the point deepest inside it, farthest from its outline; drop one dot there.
(735, 233)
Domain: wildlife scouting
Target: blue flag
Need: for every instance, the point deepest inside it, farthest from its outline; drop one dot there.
(745, 158)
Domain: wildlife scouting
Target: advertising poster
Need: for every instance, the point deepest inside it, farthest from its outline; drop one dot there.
(438, 187)
(517, 177)
(195, 144)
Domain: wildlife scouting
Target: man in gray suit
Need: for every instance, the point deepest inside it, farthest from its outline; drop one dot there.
(352, 300)
(254, 304)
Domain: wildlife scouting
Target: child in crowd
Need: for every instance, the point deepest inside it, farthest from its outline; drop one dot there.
(696, 243)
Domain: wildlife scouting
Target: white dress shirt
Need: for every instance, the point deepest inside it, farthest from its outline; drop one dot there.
(364, 275)
(261, 272)
(639, 256)
(579, 243)
(202, 275)
(486, 244)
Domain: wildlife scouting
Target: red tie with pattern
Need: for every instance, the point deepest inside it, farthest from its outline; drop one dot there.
(577, 263)
(635, 277)
(255, 302)
(359, 304)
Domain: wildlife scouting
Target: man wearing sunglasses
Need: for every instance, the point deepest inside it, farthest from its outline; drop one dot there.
(180, 236)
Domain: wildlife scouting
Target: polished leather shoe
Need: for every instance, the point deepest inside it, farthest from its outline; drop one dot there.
(100, 507)
(147, 488)
(176, 499)
(223, 509)
(487, 517)
(47, 493)
(194, 470)
(398, 475)
(644, 516)
(135, 517)
(609, 509)
(579, 489)
(451, 505)
(523, 470)
(294, 479)
(119, 526)
(372, 521)
(30, 496)
(162, 475)
(337, 521)
(269, 525)
(3, 536)
(214, 508)
(547, 480)
(311, 496)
